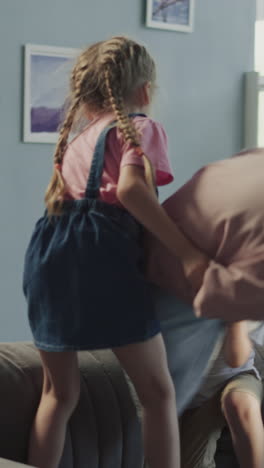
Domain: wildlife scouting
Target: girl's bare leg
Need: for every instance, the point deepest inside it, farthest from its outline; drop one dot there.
(146, 365)
(60, 394)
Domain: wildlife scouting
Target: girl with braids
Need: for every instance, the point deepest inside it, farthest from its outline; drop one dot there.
(82, 278)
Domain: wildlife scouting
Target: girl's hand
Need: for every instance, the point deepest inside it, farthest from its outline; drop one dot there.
(194, 267)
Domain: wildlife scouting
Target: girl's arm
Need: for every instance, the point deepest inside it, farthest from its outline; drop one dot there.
(138, 199)
(237, 345)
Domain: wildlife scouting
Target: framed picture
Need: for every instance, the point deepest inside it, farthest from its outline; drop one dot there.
(173, 15)
(46, 85)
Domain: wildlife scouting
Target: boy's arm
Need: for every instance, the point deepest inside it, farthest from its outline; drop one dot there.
(237, 345)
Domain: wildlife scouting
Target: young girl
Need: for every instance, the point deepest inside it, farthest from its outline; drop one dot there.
(82, 277)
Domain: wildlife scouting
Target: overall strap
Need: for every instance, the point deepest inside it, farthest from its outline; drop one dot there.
(94, 180)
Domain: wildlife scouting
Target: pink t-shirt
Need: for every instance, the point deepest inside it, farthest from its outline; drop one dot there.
(79, 153)
(221, 209)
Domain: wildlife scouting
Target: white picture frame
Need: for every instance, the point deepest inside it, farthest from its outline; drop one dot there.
(171, 15)
(46, 85)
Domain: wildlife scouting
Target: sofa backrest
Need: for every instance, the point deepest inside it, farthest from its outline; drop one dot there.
(104, 429)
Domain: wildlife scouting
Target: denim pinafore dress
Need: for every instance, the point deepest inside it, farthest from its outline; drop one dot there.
(83, 280)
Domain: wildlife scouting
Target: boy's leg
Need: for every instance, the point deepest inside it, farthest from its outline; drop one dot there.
(200, 429)
(241, 405)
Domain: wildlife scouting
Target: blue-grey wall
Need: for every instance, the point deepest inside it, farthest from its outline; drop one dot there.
(199, 103)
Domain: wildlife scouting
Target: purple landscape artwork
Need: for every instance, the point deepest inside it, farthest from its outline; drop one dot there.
(46, 95)
(47, 73)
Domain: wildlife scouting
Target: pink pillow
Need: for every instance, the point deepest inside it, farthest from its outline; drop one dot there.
(221, 210)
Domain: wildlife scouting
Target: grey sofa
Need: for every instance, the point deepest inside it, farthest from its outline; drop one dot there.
(104, 429)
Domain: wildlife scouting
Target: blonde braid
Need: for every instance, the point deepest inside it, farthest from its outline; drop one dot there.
(104, 79)
(128, 129)
(56, 188)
